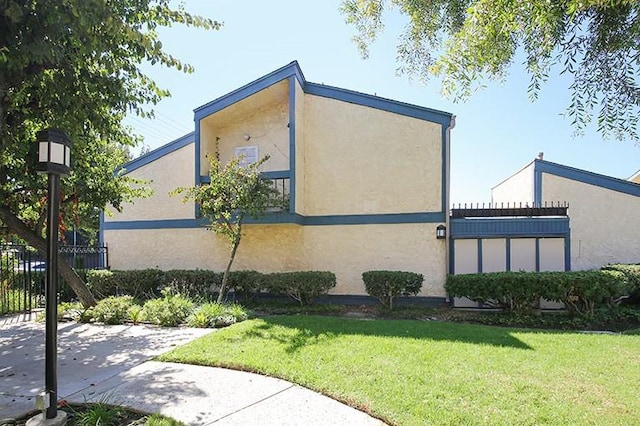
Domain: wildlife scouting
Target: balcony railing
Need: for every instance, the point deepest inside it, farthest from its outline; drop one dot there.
(280, 200)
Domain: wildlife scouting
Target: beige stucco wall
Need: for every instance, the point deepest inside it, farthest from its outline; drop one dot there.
(360, 160)
(345, 250)
(494, 255)
(517, 188)
(264, 117)
(523, 254)
(604, 223)
(163, 175)
(466, 256)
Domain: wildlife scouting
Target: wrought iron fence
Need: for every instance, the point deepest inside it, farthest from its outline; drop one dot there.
(23, 271)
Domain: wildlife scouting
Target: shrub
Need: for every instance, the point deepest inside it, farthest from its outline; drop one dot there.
(195, 284)
(580, 291)
(112, 310)
(169, 311)
(632, 276)
(216, 315)
(141, 284)
(386, 285)
(246, 284)
(300, 286)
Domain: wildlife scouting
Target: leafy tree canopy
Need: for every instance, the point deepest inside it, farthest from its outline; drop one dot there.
(75, 65)
(465, 41)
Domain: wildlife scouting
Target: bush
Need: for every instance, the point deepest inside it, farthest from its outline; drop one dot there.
(300, 286)
(112, 310)
(632, 276)
(195, 284)
(580, 291)
(386, 285)
(169, 311)
(246, 284)
(146, 284)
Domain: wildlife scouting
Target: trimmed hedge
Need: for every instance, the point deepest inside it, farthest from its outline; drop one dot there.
(300, 286)
(581, 291)
(387, 285)
(147, 284)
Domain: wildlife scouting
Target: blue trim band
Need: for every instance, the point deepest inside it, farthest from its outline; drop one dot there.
(508, 254)
(583, 176)
(480, 255)
(537, 254)
(272, 218)
(384, 104)
(292, 145)
(452, 257)
(143, 160)
(275, 174)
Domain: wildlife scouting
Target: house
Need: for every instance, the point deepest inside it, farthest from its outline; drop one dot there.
(367, 182)
(602, 210)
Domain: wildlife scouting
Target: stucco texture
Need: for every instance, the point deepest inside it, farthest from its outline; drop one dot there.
(346, 251)
(360, 160)
(163, 175)
(604, 223)
(518, 188)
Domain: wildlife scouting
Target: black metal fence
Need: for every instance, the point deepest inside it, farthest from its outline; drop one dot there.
(23, 271)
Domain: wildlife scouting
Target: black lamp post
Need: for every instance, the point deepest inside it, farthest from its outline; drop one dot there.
(54, 159)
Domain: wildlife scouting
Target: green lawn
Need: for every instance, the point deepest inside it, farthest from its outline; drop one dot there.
(416, 373)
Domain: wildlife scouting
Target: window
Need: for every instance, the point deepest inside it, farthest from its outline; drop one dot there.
(247, 154)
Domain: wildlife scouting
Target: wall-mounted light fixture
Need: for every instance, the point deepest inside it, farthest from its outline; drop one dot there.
(247, 137)
(441, 232)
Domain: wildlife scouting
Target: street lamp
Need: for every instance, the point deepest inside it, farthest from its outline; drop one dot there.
(54, 159)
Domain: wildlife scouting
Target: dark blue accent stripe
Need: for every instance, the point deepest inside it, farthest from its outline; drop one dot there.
(567, 253)
(509, 227)
(155, 224)
(452, 257)
(276, 174)
(508, 254)
(292, 144)
(384, 104)
(480, 255)
(537, 254)
(157, 153)
(270, 218)
(249, 89)
(608, 182)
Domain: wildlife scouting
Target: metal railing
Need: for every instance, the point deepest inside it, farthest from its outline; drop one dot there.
(23, 271)
(280, 200)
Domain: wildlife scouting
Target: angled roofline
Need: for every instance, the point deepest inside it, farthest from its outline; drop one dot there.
(512, 175)
(151, 156)
(633, 176)
(350, 96)
(602, 181)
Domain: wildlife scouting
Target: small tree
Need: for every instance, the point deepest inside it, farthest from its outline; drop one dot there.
(235, 193)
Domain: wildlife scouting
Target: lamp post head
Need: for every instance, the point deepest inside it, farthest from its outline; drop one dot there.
(54, 152)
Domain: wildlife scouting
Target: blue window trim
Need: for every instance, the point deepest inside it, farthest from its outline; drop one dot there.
(508, 254)
(583, 176)
(275, 174)
(480, 259)
(537, 254)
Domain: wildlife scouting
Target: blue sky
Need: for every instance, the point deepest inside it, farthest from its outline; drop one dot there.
(497, 131)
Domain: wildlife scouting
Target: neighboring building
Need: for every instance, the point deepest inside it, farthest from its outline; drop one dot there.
(603, 210)
(635, 178)
(366, 177)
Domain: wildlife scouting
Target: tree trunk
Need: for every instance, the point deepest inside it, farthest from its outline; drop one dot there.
(70, 276)
(225, 277)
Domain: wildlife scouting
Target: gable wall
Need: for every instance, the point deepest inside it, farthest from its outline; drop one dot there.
(518, 188)
(163, 175)
(604, 223)
(360, 160)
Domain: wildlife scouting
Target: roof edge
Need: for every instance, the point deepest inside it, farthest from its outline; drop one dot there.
(590, 178)
(157, 153)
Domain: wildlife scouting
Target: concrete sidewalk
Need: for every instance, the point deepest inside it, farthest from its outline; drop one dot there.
(112, 363)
